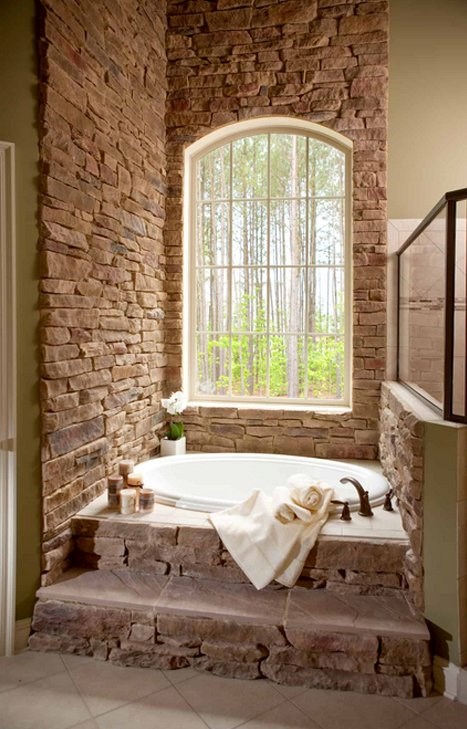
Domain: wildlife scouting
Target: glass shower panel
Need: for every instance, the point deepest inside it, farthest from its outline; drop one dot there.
(459, 405)
(422, 299)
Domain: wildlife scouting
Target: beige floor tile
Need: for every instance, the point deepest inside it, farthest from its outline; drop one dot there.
(447, 714)
(285, 716)
(73, 661)
(288, 692)
(49, 703)
(418, 722)
(421, 704)
(163, 710)
(224, 704)
(339, 709)
(26, 667)
(181, 674)
(105, 687)
(90, 724)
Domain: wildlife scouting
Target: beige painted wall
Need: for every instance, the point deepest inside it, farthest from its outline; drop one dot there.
(444, 539)
(427, 103)
(18, 125)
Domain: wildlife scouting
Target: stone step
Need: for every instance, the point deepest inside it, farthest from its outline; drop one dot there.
(296, 636)
(360, 565)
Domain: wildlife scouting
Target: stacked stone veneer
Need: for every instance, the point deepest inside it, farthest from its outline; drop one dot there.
(103, 185)
(111, 261)
(293, 636)
(361, 567)
(319, 60)
(401, 455)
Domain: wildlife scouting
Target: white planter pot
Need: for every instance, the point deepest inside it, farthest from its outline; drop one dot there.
(173, 447)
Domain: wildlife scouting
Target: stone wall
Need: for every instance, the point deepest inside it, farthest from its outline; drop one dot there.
(401, 455)
(319, 60)
(102, 209)
(357, 567)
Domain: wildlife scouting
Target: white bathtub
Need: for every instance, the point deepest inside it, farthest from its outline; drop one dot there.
(214, 481)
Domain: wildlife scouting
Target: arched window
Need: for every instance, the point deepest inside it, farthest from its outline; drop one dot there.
(267, 264)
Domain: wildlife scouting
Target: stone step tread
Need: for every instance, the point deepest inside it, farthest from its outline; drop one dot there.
(297, 609)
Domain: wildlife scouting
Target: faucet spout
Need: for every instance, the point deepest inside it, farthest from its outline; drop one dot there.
(365, 508)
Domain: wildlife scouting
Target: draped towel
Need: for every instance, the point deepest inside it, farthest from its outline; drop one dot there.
(263, 546)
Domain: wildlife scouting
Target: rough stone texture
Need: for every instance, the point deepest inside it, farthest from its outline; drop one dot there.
(362, 567)
(325, 63)
(401, 454)
(111, 228)
(293, 644)
(102, 209)
(292, 675)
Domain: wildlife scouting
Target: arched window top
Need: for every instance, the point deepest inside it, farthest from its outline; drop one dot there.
(267, 264)
(269, 124)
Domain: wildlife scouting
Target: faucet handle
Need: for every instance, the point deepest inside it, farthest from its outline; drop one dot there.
(387, 501)
(345, 516)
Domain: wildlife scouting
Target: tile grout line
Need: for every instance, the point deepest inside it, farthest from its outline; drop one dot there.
(416, 713)
(315, 721)
(192, 707)
(284, 699)
(70, 674)
(125, 703)
(33, 680)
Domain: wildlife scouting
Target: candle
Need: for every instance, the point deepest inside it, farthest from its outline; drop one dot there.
(113, 500)
(125, 467)
(134, 480)
(115, 484)
(127, 501)
(146, 500)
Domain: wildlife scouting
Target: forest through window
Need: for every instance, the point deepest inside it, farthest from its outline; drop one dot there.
(269, 270)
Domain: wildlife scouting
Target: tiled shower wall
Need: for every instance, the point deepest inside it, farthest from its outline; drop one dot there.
(422, 362)
(103, 185)
(324, 61)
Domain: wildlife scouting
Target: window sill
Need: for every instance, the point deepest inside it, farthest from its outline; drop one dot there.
(271, 407)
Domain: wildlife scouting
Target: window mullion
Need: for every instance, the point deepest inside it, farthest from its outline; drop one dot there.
(230, 271)
(268, 272)
(307, 260)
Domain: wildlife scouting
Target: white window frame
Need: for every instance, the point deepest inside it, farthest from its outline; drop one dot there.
(7, 401)
(193, 153)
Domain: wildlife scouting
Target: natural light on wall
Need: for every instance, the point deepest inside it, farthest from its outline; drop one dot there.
(267, 265)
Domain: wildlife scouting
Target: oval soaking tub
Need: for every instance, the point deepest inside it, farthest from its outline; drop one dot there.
(214, 481)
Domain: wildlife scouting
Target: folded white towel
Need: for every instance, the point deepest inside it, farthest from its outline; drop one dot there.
(263, 547)
(306, 492)
(285, 508)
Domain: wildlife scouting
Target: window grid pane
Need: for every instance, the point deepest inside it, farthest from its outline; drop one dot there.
(270, 273)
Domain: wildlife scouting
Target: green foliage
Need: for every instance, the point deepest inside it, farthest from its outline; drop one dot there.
(175, 431)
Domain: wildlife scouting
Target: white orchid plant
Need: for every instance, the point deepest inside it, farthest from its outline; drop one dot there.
(175, 405)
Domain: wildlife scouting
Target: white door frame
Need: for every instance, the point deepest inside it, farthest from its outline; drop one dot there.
(7, 400)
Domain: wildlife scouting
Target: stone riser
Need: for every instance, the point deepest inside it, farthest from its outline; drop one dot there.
(309, 637)
(358, 567)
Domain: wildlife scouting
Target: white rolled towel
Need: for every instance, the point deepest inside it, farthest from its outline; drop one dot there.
(305, 492)
(285, 509)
